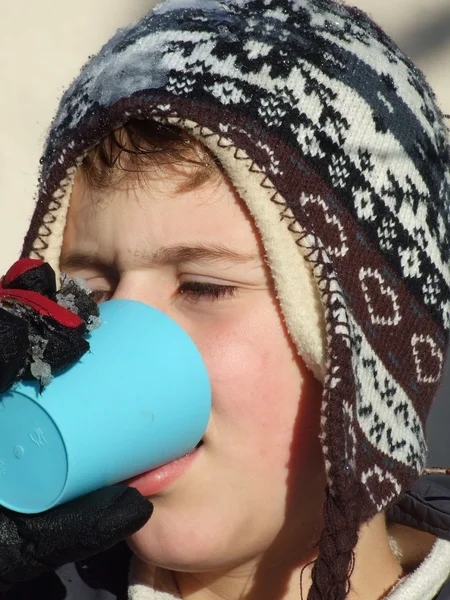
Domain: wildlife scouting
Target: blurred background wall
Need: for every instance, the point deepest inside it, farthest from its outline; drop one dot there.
(43, 44)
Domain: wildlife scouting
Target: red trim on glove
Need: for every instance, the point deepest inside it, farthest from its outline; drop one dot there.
(19, 268)
(40, 303)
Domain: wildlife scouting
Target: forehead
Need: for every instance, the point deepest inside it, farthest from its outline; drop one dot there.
(151, 210)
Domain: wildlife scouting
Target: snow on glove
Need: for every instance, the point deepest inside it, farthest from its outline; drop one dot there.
(41, 329)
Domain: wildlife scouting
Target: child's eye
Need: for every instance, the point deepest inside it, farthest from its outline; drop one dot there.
(99, 296)
(191, 290)
(196, 290)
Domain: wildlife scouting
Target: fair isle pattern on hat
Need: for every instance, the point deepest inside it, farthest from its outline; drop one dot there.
(314, 101)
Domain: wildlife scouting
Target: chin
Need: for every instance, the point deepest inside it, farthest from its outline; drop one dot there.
(167, 546)
(187, 549)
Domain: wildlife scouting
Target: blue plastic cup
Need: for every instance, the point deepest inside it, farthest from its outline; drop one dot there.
(139, 399)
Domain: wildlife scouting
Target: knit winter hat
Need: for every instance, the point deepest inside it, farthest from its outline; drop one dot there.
(334, 141)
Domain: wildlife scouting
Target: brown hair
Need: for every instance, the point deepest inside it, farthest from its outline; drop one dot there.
(146, 147)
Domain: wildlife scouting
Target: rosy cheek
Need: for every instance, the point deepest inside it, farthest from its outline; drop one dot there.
(217, 342)
(246, 385)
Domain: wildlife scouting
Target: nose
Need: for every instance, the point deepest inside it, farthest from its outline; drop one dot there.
(147, 289)
(155, 289)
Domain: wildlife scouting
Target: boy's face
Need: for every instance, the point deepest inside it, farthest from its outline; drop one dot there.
(256, 483)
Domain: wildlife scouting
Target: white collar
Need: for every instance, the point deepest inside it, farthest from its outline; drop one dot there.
(425, 582)
(159, 584)
(422, 584)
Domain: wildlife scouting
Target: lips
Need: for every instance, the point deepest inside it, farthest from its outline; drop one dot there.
(157, 480)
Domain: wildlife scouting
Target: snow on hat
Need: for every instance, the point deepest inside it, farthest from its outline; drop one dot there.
(334, 141)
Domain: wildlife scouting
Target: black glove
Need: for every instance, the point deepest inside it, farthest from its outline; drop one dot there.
(42, 330)
(33, 544)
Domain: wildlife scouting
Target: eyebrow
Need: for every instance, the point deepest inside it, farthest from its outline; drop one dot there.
(169, 255)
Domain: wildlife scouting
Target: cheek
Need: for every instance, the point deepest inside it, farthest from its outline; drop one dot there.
(256, 383)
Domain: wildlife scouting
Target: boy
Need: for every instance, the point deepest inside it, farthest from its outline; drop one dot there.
(274, 175)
